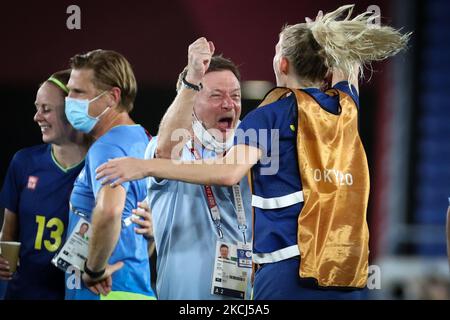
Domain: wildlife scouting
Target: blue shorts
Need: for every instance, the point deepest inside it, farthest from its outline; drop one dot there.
(280, 281)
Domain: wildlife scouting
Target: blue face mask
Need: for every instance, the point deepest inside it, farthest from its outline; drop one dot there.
(77, 112)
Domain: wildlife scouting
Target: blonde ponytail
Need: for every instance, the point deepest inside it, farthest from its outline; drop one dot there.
(350, 42)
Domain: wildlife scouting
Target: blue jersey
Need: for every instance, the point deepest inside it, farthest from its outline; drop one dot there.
(185, 234)
(274, 181)
(37, 189)
(133, 280)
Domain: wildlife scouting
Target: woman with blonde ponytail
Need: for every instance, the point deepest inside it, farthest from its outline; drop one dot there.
(339, 46)
(309, 168)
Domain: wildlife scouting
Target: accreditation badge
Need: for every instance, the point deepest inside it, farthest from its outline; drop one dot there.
(244, 255)
(75, 251)
(230, 275)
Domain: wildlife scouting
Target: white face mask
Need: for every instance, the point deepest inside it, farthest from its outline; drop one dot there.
(208, 140)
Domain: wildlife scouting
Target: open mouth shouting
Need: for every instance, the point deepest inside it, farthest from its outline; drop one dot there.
(225, 123)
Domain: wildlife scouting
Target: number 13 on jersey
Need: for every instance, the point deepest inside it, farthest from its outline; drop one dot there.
(56, 233)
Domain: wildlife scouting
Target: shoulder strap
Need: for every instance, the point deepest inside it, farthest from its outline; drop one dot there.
(274, 95)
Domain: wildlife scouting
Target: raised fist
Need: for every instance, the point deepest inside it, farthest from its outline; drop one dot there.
(199, 57)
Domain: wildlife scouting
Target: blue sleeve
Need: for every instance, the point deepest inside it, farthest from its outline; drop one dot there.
(152, 182)
(151, 148)
(344, 87)
(99, 154)
(254, 130)
(10, 194)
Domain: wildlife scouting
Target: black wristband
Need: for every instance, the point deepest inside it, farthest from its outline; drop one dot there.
(191, 85)
(93, 274)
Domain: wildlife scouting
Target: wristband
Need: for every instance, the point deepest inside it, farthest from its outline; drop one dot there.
(93, 274)
(191, 85)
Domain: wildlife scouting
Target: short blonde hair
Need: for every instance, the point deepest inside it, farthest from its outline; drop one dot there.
(111, 69)
(315, 48)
